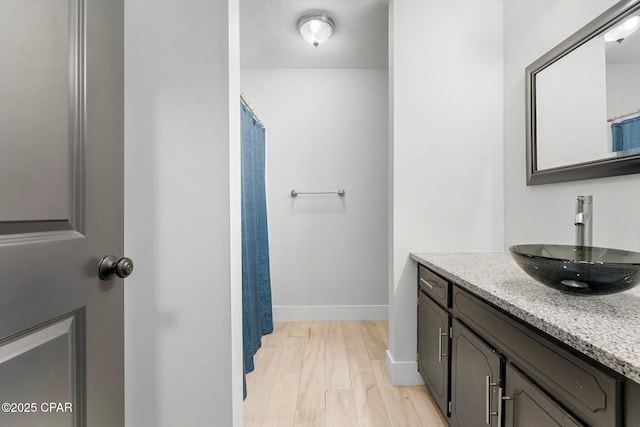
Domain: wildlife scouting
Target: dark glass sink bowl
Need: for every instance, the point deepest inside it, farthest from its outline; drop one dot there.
(583, 270)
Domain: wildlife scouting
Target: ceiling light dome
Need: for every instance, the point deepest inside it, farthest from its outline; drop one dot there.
(316, 28)
(623, 30)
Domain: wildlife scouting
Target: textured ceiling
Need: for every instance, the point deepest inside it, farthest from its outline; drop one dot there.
(269, 35)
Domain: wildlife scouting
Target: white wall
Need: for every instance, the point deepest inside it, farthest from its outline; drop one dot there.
(182, 327)
(326, 130)
(446, 121)
(623, 89)
(544, 213)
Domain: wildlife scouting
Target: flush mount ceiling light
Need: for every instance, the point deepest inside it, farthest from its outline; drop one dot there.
(624, 30)
(316, 28)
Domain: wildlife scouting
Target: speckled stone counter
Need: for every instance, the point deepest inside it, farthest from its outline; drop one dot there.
(605, 328)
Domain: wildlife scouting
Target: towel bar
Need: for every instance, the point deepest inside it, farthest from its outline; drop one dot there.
(295, 193)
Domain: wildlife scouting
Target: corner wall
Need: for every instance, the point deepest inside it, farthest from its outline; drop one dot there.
(182, 303)
(326, 130)
(446, 156)
(544, 213)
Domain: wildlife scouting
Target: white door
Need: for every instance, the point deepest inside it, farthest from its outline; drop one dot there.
(61, 212)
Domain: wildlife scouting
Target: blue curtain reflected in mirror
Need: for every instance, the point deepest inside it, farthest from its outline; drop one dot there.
(626, 134)
(257, 318)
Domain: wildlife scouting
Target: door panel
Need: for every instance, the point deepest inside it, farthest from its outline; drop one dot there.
(531, 407)
(33, 128)
(475, 377)
(61, 210)
(46, 373)
(40, 88)
(433, 350)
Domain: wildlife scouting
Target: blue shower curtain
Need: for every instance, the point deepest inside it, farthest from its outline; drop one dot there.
(257, 317)
(626, 134)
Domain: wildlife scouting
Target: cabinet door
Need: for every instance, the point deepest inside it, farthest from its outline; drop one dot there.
(529, 406)
(433, 349)
(475, 379)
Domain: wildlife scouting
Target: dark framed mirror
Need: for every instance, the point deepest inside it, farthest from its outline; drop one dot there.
(583, 102)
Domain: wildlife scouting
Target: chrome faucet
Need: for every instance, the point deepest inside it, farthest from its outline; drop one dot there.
(584, 220)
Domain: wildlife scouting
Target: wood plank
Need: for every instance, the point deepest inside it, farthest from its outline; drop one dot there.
(298, 329)
(259, 385)
(366, 395)
(383, 328)
(281, 408)
(341, 409)
(396, 400)
(310, 408)
(277, 338)
(357, 355)
(427, 410)
(368, 401)
(336, 365)
(373, 340)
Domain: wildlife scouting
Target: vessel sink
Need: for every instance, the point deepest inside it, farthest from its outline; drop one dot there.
(584, 270)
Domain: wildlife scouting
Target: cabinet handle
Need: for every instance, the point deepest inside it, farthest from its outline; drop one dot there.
(501, 399)
(424, 282)
(440, 335)
(487, 395)
(487, 398)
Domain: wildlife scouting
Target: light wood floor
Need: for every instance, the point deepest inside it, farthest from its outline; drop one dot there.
(331, 374)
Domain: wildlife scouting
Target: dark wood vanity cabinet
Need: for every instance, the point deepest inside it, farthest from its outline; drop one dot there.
(502, 372)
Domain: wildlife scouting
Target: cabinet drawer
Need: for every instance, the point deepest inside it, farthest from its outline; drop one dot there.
(590, 393)
(433, 285)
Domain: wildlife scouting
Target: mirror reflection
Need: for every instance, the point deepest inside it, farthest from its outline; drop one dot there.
(623, 85)
(587, 103)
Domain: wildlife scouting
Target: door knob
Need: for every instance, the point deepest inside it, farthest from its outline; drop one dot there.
(112, 266)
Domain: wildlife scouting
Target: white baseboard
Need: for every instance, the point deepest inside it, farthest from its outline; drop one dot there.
(331, 312)
(402, 372)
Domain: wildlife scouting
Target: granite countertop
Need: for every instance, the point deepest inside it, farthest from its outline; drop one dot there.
(604, 327)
